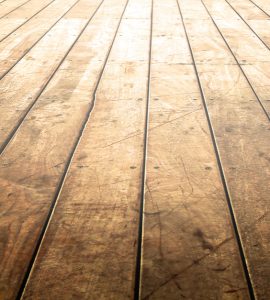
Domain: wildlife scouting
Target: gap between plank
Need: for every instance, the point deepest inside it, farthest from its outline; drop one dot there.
(237, 62)
(137, 283)
(14, 8)
(24, 53)
(67, 166)
(16, 128)
(26, 21)
(248, 25)
(260, 8)
(221, 171)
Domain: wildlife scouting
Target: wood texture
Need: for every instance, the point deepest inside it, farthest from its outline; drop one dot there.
(183, 186)
(8, 6)
(20, 42)
(46, 138)
(250, 52)
(19, 87)
(242, 134)
(20, 16)
(103, 220)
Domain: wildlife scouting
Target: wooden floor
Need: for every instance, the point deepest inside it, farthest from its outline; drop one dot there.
(135, 149)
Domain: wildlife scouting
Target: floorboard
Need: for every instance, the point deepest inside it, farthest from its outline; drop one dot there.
(134, 149)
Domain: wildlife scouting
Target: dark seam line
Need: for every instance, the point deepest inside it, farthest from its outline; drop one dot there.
(15, 129)
(221, 171)
(260, 8)
(248, 25)
(249, 83)
(14, 9)
(25, 52)
(26, 21)
(137, 282)
(69, 160)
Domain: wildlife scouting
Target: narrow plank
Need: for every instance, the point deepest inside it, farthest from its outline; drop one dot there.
(263, 5)
(241, 131)
(32, 166)
(189, 250)
(9, 6)
(19, 88)
(254, 17)
(249, 51)
(89, 250)
(22, 40)
(20, 16)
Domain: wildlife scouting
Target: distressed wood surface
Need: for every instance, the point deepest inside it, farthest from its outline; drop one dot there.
(13, 48)
(249, 51)
(8, 6)
(107, 166)
(46, 138)
(183, 186)
(19, 87)
(20, 16)
(242, 133)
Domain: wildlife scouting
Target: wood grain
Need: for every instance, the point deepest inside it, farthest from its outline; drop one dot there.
(89, 250)
(9, 6)
(187, 229)
(264, 5)
(250, 52)
(20, 16)
(20, 42)
(242, 134)
(19, 87)
(34, 161)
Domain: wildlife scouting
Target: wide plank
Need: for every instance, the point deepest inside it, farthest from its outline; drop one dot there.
(9, 6)
(250, 52)
(20, 16)
(242, 134)
(89, 250)
(189, 249)
(13, 48)
(19, 87)
(33, 163)
(263, 5)
(254, 17)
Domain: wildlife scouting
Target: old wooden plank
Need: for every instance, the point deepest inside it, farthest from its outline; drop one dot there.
(241, 131)
(89, 250)
(42, 145)
(250, 52)
(20, 16)
(20, 42)
(189, 250)
(23, 84)
(9, 6)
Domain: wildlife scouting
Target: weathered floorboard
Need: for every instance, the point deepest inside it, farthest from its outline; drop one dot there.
(34, 161)
(9, 6)
(15, 46)
(189, 250)
(23, 84)
(242, 132)
(89, 250)
(20, 16)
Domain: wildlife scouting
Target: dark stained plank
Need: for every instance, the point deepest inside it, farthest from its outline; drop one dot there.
(13, 48)
(23, 84)
(250, 52)
(20, 16)
(33, 163)
(242, 132)
(189, 250)
(89, 250)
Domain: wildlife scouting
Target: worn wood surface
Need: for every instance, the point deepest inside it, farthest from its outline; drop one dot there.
(127, 171)
(107, 166)
(241, 130)
(20, 16)
(183, 186)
